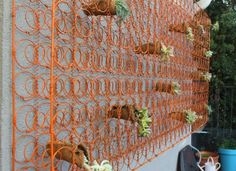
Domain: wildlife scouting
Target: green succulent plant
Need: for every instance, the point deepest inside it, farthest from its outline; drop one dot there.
(144, 122)
(166, 52)
(122, 9)
(175, 87)
(208, 54)
(216, 26)
(208, 108)
(190, 116)
(228, 144)
(190, 35)
(105, 166)
(207, 76)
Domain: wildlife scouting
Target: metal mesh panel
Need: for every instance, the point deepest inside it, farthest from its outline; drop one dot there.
(71, 67)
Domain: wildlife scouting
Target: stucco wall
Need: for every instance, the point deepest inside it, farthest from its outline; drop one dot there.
(168, 160)
(5, 86)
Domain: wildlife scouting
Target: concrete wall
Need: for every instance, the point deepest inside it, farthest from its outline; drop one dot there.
(5, 85)
(168, 160)
(165, 162)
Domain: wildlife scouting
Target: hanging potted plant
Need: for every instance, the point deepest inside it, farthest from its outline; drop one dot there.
(107, 7)
(76, 154)
(172, 88)
(183, 28)
(156, 48)
(208, 108)
(131, 113)
(208, 54)
(206, 76)
(227, 151)
(186, 116)
(216, 26)
(198, 75)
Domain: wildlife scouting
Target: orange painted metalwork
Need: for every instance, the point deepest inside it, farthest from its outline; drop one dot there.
(70, 67)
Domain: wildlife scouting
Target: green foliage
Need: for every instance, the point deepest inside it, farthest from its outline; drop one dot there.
(223, 61)
(122, 9)
(166, 52)
(190, 116)
(176, 88)
(223, 43)
(144, 122)
(190, 35)
(228, 144)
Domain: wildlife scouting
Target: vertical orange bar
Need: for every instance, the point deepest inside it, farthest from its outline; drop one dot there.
(52, 84)
(13, 85)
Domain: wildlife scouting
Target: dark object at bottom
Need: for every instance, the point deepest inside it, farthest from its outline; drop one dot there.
(187, 160)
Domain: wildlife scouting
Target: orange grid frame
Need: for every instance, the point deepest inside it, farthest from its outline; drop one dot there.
(69, 69)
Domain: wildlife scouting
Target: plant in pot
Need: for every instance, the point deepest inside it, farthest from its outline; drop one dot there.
(216, 26)
(206, 76)
(208, 108)
(227, 151)
(76, 154)
(131, 113)
(156, 48)
(198, 75)
(186, 116)
(107, 7)
(172, 87)
(183, 28)
(208, 54)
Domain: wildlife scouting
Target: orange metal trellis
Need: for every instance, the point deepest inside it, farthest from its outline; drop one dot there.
(71, 68)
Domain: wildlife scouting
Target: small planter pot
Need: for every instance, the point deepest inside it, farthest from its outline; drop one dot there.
(98, 7)
(131, 113)
(126, 112)
(106, 8)
(186, 116)
(149, 48)
(198, 75)
(179, 116)
(181, 28)
(157, 48)
(172, 88)
(206, 154)
(228, 159)
(76, 154)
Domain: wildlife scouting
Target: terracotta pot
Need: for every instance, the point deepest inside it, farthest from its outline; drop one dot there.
(196, 75)
(164, 87)
(126, 112)
(149, 48)
(99, 7)
(206, 154)
(179, 116)
(71, 153)
(181, 28)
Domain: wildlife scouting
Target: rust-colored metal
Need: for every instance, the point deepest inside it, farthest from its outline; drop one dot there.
(74, 61)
